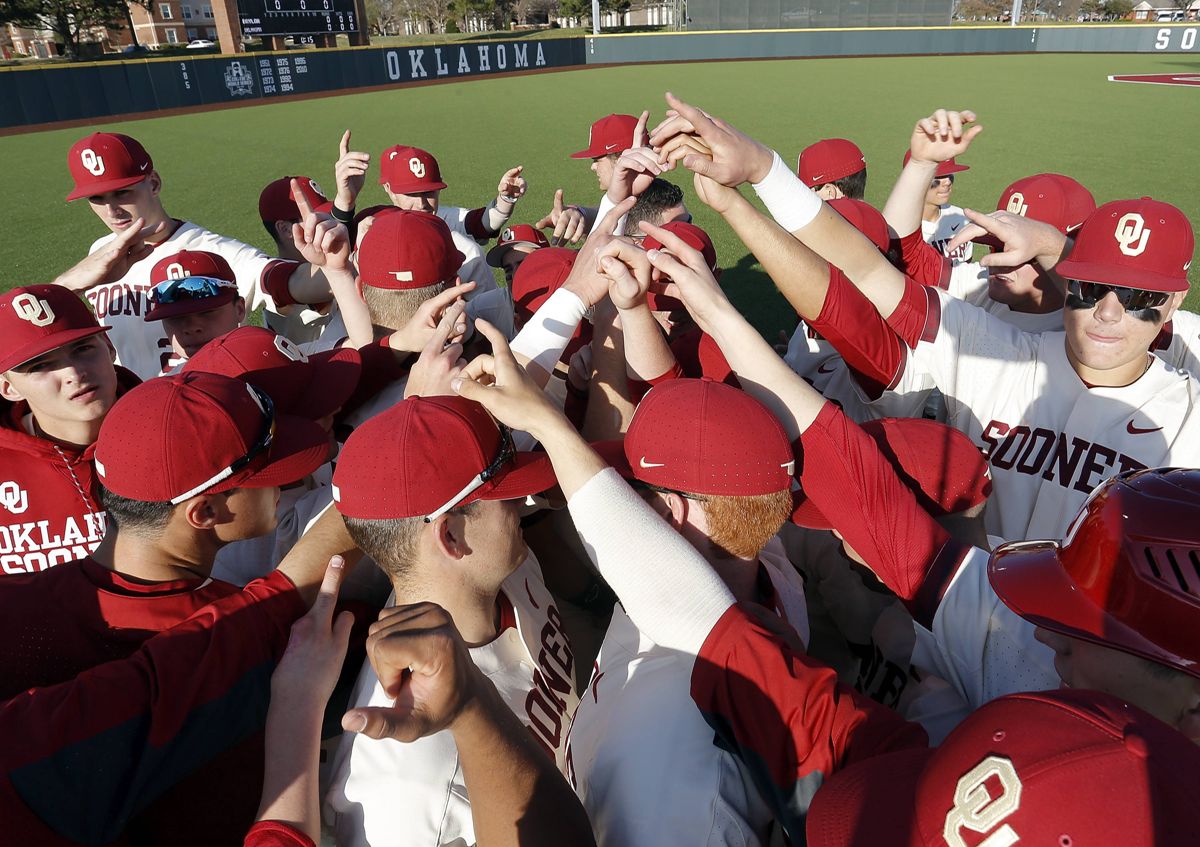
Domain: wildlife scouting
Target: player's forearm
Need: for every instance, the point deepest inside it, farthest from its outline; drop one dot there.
(497, 213)
(907, 200)
(305, 564)
(541, 342)
(355, 314)
(293, 755)
(525, 803)
(308, 284)
(609, 409)
(647, 354)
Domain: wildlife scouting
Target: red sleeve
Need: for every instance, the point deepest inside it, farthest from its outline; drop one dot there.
(638, 388)
(786, 716)
(81, 758)
(850, 322)
(921, 262)
(918, 316)
(855, 486)
(380, 368)
(276, 834)
(473, 224)
(274, 281)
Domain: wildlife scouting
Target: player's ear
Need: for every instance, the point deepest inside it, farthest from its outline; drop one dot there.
(112, 351)
(449, 531)
(9, 391)
(283, 232)
(155, 182)
(677, 508)
(204, 511)
(239, 310)
(1174, 303)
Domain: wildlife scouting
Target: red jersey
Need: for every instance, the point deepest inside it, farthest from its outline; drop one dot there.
(276, 834)
(50, 511)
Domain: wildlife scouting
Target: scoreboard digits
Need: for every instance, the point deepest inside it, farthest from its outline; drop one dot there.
(297, 17)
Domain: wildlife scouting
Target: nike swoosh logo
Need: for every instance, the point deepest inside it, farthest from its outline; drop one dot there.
(642, 461)
(143, 167)
(818, 177)
(956, 228)
(826, 368)
(609, 146)
(1137, 430)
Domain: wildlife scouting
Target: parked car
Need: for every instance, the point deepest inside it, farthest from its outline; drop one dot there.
(200, 44)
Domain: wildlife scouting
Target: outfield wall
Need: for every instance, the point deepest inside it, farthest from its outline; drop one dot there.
(47, 95)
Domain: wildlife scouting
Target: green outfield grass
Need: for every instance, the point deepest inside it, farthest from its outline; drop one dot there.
(1041, 113)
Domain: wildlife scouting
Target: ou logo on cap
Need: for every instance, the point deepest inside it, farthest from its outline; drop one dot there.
(93, 163)
(977, 810)
(176, 271)
(507, 235)
(289, 348)
(1132, 234)
(417, 167)
(32, 309)
(312, 183)
(1017, 204)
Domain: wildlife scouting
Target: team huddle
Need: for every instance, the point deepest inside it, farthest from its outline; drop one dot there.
(431, 560)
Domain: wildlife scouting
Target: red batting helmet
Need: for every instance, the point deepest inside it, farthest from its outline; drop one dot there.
(1127, 574)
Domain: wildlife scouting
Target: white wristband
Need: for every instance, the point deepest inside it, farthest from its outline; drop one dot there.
(544, 338)
(791, 203)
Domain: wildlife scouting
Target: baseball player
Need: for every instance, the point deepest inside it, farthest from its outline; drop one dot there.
(833, 168)
(413, 181)
(187, 464)
(117, 176)
(661, 202)
(940, 219)
(439, 517)
(513, 246)
(57, 383)
(195, 295)
(1057, 413)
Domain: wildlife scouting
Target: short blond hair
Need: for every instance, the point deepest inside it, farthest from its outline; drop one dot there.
(392, 309)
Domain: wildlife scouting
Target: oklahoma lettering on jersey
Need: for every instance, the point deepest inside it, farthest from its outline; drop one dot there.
(1049, 437)
(388, 793)
(142, 346)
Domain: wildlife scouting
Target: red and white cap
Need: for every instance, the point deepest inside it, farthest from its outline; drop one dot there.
(513, 236)
(1054, 199)
(106, 161)
(184, 264)
(610, 134)
(944, 168)
(703, 437)
(1056, 768)
(419, 455)
(175, 437)
(277, 203)
(35, 319)
(1142, 244)
(311, 386)
(407, 249)
(409, 170)
(938, 463)
(866, 219)
(829, 160)
(695, 237)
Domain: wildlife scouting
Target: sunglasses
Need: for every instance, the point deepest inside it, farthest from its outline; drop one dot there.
(646, 486)
(265, 437)
(189, 288)
(507, 452)
(933, 183)
(1085, 295)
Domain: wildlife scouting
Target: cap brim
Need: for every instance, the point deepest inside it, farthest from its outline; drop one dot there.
(588, 154)
(334, 378)
(300, 447)
(496, 253)
(18, 357)
(413, 187)
(528, 473)
(104, 186)
(870, 803)
(191, 307)
(1029, 578)
(806, 514)
(1127, 277)
(946, 170)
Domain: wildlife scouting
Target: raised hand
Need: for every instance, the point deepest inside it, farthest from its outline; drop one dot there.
(112, 261)
(350, 173)
(512, 185)
(570, 225)
(424, 667)
(422, 326)
(441, 360)
(943, 135)
(310, 666)
(735, 157)
(585, 279)
(498, 382)
(694, 282)
(321, 240)
(629, 273)
(1023, 239)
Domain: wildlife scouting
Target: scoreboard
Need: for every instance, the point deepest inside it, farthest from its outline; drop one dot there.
(297, 17)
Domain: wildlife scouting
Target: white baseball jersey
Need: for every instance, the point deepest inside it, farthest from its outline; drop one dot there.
(475, 266)
(1049, 437)
(301, 324)
(641, 757)
(940, 232)
(388, 793)
(142, 346)
(969, 282)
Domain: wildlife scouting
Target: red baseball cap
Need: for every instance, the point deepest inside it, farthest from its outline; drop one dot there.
(170, 298)
(35, 319)
(944, 168)
(1054, 199)
(106, 161)
(610, 134)
(423, 454)
(829, 160)
(375, 212)
(541, 274)
(174, 437)
(514, 235)
(866, 219)
(938, 463)
(277, 203)
(1133, 243)
(1124, 576)
(407, 249)
(1048, 768)
(703, 437)
(695, 237)
(409, 170)
(311, 386)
